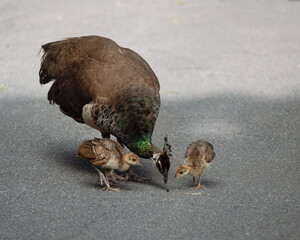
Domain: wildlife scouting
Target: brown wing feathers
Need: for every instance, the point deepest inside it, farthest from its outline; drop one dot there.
(71, 89)
(198, 150)
(60, 55)
(87, 68)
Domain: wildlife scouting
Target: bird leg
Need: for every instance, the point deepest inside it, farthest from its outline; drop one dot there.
(199, 186)
(129, 175)
(104, 179)
(112, 176)
(101, 175)
(194, 181)
(108, 188)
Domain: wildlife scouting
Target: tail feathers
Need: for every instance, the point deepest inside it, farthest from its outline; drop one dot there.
(46, 46)
(66, 106)
(86, 150)
(54, 61)
(45, 65)
(211, 157)
(44, 77)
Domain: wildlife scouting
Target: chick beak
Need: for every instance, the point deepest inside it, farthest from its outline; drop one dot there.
(175, 176)
(140, 164)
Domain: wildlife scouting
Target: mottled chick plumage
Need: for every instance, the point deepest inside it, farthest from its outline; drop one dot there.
(197, 157)
(108, 154)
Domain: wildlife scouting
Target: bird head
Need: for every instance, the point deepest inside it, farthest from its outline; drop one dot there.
(132, 158)
(162, 160)
(181, 171)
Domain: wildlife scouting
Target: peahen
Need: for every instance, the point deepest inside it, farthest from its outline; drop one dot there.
(108, 87)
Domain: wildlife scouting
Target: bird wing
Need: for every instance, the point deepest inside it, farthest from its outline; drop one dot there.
(209, 153)
(86, 68)
(100, 149)
(71, 90)
(192, 156)
(97, 162)
(85, 150)
(110, 145)
(59, 55)
(198, 151)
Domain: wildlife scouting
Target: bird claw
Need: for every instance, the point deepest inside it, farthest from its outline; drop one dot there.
(197, 187)
(105, 179)
(110, 189)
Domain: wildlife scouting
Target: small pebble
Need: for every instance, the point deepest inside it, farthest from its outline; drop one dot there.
(167, 189)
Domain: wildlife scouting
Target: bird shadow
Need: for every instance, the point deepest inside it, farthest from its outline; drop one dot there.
(66, 157)
(209, 184)
(212, 184)
(234, 124)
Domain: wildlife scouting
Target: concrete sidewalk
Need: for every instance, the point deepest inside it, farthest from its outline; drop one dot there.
(229, 73)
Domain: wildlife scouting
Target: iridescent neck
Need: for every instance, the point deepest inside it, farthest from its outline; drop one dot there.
(144, 148)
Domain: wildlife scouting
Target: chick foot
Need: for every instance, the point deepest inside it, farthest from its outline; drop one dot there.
(108, 188)
(129, 175)
(111, 176)
(197, 187)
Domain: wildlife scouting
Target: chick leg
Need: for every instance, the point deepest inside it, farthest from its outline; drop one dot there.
(114, 177)
(199, 186)
(104, 179)
(194, 184)
(129, 175)
(111, 176)
(101, 175)
(108, 188)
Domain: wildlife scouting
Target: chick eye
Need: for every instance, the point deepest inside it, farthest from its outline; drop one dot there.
(134, 159)
(181, 172)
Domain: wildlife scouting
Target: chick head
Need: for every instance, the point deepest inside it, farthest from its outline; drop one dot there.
(132, 158)
(181, 171)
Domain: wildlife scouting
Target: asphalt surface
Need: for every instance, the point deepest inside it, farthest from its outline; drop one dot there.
(229, 74)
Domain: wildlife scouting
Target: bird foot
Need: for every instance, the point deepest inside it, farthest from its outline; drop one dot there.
(131, 176)
(114, 177)
(110, 189)
(197, 187)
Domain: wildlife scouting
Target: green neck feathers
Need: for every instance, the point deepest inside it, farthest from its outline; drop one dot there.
(143, 147)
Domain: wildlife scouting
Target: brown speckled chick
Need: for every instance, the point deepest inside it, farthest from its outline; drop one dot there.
(197, 157)
(110, 155)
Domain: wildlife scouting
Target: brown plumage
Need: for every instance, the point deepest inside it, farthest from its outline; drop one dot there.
(90, 67)
(108, 87)
(108, 154)
(197, 157)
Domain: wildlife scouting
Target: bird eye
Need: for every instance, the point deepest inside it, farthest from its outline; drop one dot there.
(181, 172)
(134, 159)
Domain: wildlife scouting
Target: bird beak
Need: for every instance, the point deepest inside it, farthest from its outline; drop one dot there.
(166, 178)
(139, 164)
(175, 176)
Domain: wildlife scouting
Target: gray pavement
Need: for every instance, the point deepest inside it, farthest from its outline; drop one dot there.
(229, 73)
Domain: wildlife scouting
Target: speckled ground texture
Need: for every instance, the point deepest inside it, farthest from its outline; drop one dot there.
(229, 74)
